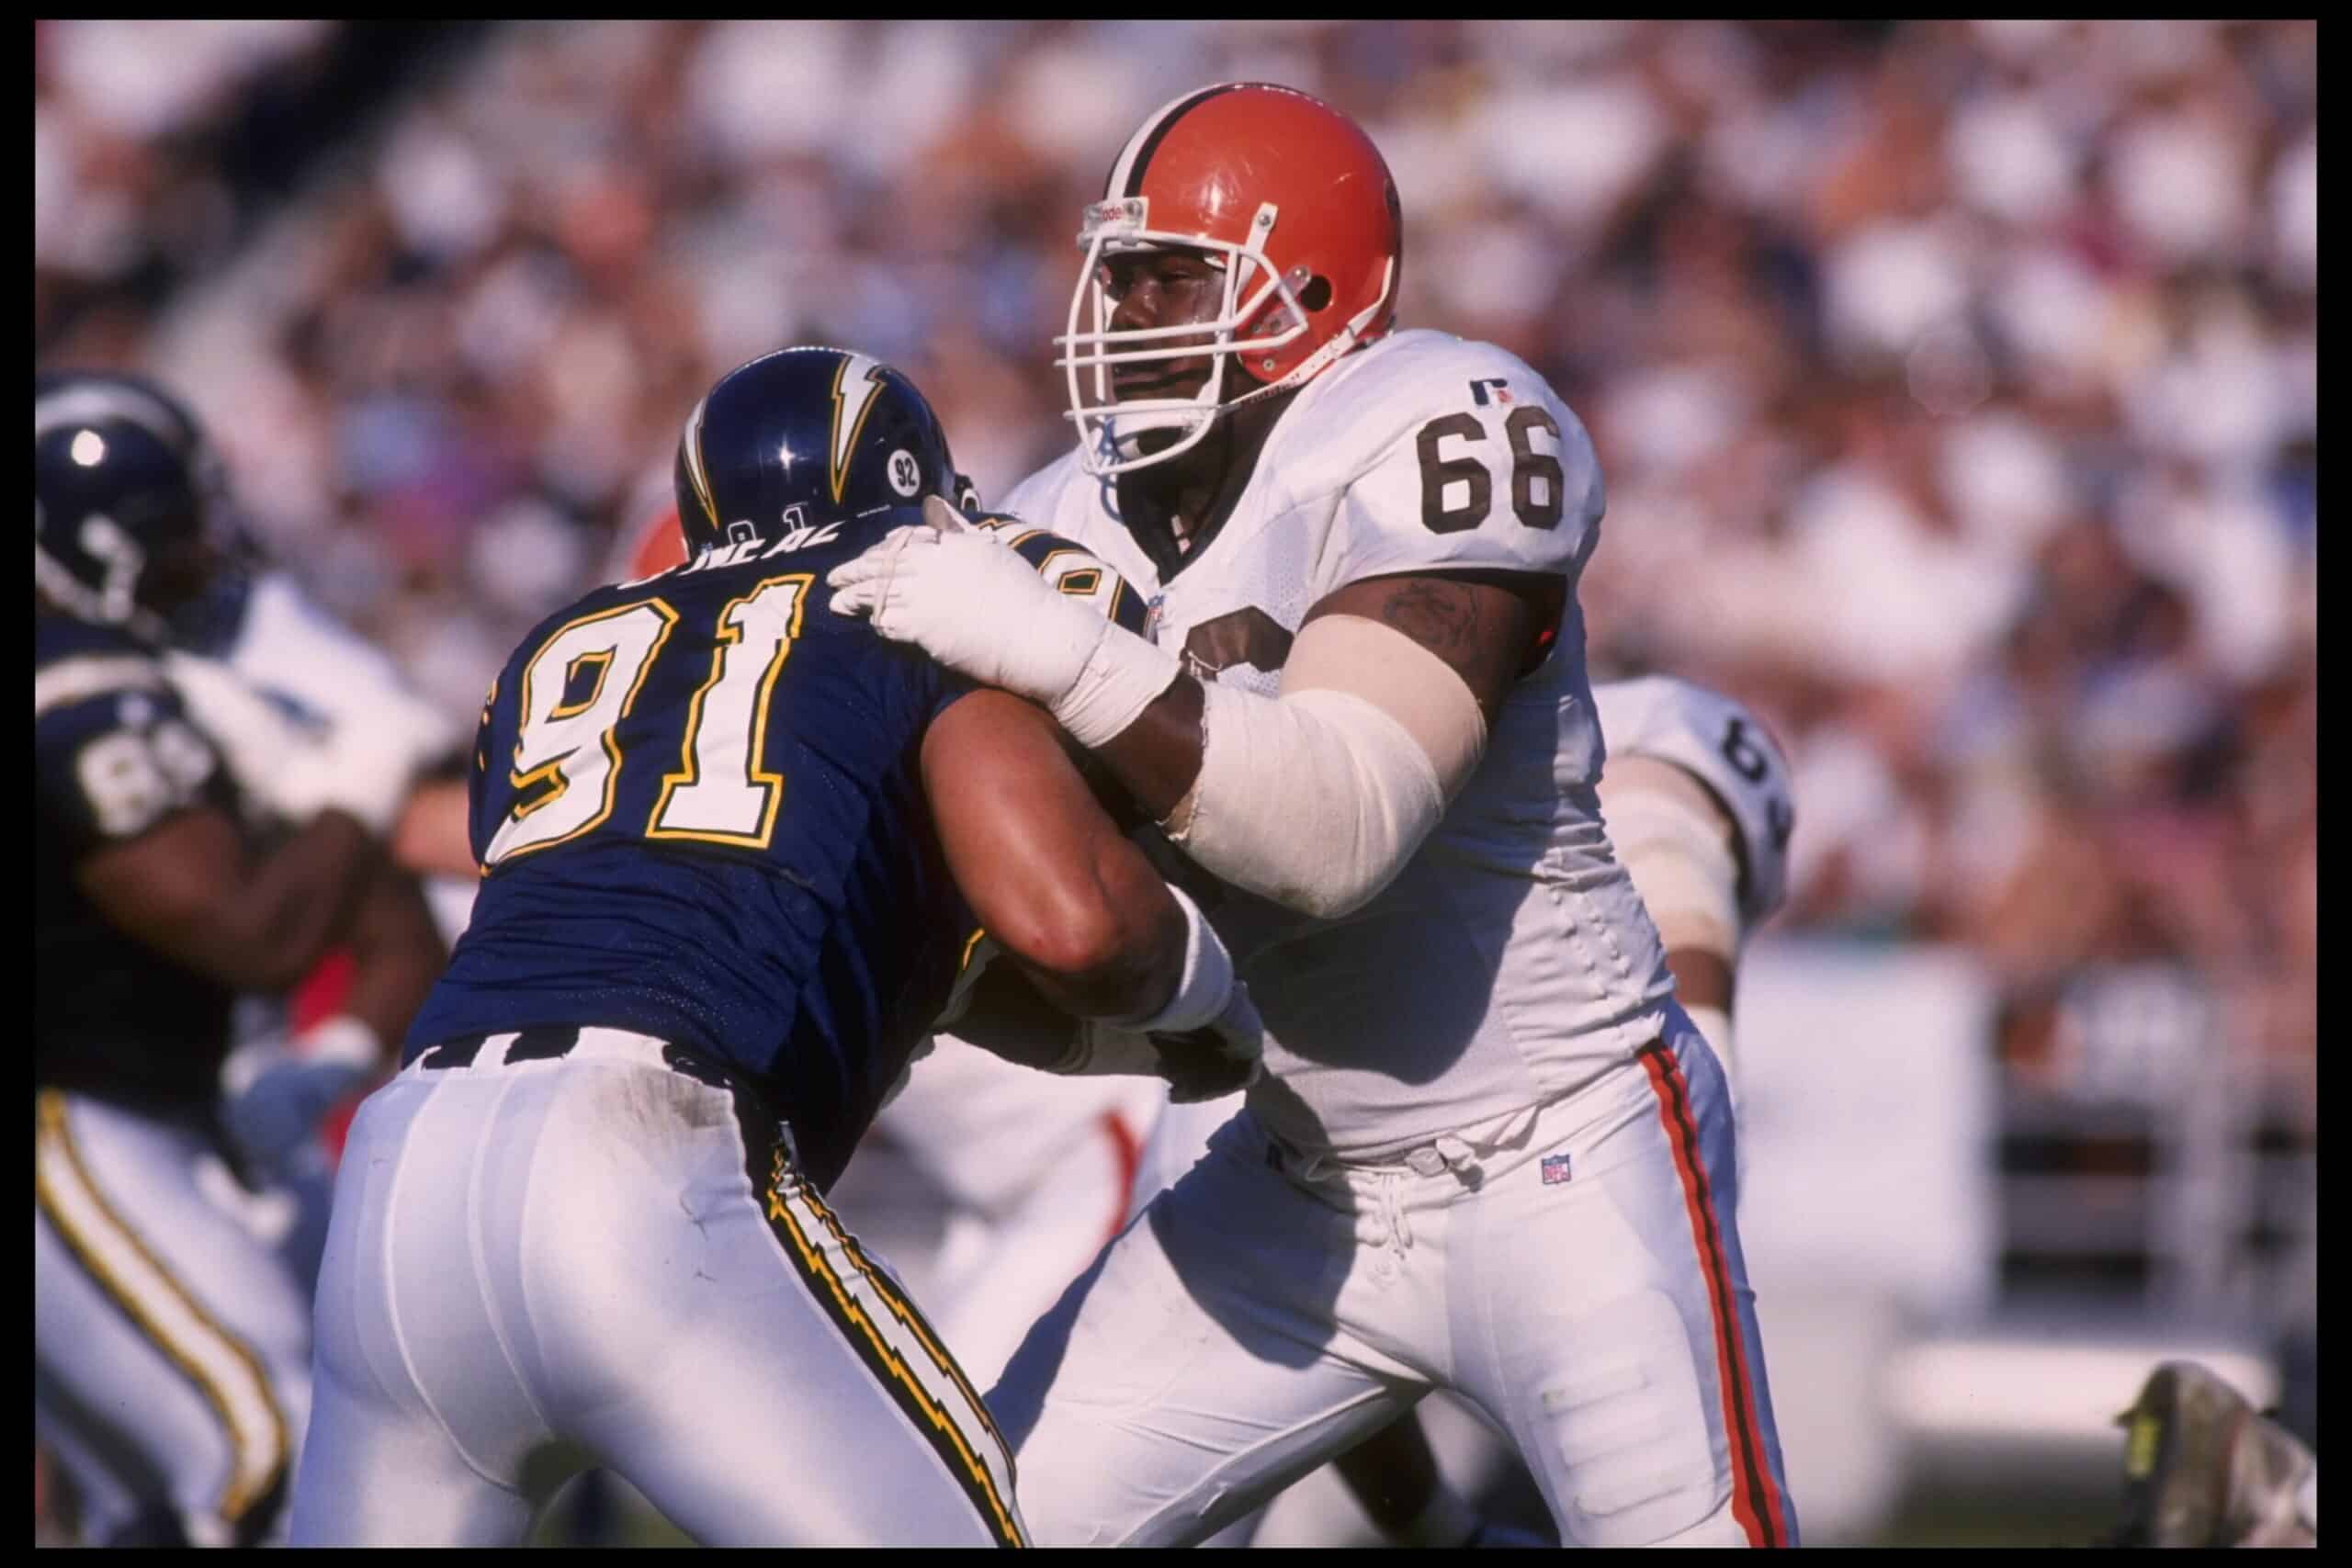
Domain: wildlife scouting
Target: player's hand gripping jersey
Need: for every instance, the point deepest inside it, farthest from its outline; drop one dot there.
(1510, 960)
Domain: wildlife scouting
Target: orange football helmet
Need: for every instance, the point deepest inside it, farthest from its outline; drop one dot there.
(1291, 198)
(659, 546)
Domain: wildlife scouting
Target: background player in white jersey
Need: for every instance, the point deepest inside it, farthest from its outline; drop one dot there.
(170, 1345)
(1490, 1153)
(1696, 799)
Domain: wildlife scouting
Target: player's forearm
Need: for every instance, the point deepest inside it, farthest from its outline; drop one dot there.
(1046, 870)
(1158, 757)
(1111, 944)
(397, 953)
(1005, 1015)
(430, 837)
(1703, 978)
(293, 905)
(1317, 798)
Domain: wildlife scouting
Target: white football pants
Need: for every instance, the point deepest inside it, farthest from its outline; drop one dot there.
(1034, 1171)
(541, 1241)
(171, 1347)
(1582, 1286)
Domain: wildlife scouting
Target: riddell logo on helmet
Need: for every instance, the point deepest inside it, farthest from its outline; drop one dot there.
(1129, 209)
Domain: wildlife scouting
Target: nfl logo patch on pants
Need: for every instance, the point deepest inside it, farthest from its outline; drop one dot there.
(1555, 1169)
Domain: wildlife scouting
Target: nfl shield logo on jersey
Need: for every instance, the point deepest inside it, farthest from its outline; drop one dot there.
(1555, 1169)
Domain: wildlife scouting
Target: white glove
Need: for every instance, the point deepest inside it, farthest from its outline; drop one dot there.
(361, 768)
(274, 1093)
(983, 612)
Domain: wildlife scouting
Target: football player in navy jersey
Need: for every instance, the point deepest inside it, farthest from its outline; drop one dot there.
(737, 854)
(171, 1348)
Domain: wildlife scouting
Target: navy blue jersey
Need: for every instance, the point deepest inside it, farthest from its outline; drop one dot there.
(698, 805)
(114, 755)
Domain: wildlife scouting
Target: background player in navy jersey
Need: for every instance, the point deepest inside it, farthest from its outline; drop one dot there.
(735, 854)
(170, 1346)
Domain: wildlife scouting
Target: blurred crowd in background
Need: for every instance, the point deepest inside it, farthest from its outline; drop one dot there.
(1955, 382)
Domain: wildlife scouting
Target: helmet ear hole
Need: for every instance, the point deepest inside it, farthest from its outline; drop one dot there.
(1316, 294)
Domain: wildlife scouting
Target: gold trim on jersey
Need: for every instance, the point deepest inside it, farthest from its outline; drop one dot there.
(731, 636)
(603, 660)
(794, 1212)
(553, 771)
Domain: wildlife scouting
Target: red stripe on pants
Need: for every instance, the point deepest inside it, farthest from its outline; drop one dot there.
(1751, 1481)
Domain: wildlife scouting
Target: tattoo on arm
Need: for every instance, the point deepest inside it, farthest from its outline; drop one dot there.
(1441, 616)
(1489, 626)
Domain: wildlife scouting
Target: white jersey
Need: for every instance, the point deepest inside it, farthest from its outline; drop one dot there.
(1511, 961)
(1728, 749)
(328, 674)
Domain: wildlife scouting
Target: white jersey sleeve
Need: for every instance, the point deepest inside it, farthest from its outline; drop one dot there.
(1728, 749)
(1470, 460)
(1036, 499)
(287, 646)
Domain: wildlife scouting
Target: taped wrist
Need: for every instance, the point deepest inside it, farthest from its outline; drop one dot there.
(1203, 987)
(1121, 677)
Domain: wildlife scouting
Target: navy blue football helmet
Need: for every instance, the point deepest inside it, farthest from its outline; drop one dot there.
(804, 437)
(130, 506)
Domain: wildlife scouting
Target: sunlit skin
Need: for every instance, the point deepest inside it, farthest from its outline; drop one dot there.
(1162, 288)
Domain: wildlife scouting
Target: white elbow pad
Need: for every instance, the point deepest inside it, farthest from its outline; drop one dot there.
(1317, 798)
(1675, 842)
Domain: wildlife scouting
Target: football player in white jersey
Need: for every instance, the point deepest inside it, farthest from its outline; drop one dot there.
(1490, 1152)
(1697, 799)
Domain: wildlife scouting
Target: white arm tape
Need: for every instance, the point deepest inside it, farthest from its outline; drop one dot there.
(1204, 989)
(1674, 840)
(1119, 679)
(1317, 798)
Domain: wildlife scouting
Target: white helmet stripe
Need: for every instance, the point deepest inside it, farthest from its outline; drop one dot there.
(696, 474)
(1128, 169)
(1117, 184)
(854, 386)
(89, 404)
